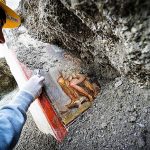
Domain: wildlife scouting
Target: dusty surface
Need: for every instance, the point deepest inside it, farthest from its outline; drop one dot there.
(119, 119)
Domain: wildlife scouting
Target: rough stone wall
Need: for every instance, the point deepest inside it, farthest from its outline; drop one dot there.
(111, 36)
(59, 25)
(7, 82)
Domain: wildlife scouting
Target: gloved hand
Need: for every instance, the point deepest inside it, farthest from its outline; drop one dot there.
(34, 86)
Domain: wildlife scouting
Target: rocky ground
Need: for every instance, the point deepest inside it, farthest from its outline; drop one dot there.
(112, 40)
(118, 119)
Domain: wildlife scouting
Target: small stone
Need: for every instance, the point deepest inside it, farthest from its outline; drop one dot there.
(135, 106)
(140, 26)
(124, 28)
(132, 119)
(103, 125)
(130, 109)
(127, 34)
(145, 110)
(146, 49)
(69, 139)
(133, 30)
(102, 117)
(141, 125)
(137, 62)
(117, 84)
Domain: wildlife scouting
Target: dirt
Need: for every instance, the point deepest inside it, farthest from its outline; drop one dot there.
(120, 116)
(118, 119)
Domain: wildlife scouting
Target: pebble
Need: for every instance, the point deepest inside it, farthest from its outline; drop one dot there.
(141, 125)
(133, 30)
(103, 125)
(146, 49)
(69, 139)
(132, 119)
(137, 62)
(135, 106)
(124, 28)
(130, 109)
(127, 34)
(145, 110)
(117, 84)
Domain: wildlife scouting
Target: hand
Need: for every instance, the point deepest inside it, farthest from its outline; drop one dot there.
(34, 86)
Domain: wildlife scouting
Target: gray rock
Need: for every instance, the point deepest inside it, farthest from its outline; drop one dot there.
(141, 125)
(133, 30)
(103, 125)
(80, 25)
(124, 28)
(7, 81)
(130, 109)
(132, 119)
(118, 83)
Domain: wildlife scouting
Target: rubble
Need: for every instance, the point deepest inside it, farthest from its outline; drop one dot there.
(7, 81)
(112, 39)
